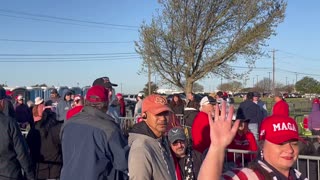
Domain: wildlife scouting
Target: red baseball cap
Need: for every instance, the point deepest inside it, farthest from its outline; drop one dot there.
(155, 104)
(316, 100)
(97, 94)
(279, 129)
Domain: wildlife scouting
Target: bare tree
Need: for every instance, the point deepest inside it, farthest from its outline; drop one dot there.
(192, 39)
(154, 88)
(233, 86)
(197, 87)
(263, 85)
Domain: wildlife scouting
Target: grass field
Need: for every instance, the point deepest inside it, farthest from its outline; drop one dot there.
(297, 106)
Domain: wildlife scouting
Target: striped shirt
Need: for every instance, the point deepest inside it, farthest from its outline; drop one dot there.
(250, 174)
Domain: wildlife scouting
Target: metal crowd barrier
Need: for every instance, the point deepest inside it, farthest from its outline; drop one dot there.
(181, 119)
(126, 124)
(308, 165)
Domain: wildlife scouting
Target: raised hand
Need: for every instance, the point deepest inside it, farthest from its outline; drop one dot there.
(222, 131)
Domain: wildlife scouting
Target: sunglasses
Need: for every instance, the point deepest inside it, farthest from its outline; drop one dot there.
(178, 142)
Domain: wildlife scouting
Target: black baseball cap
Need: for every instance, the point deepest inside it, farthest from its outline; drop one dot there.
(54, 91)
(103, 81)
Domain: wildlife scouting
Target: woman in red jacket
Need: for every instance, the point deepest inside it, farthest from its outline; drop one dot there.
(244, 140)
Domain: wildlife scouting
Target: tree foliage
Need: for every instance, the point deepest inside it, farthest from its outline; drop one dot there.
(193, 39)
(154, 88)
(233, 86)
(308, 85)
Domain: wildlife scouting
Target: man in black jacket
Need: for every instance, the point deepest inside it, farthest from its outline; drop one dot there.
(14, 156)
(187, 160)
(93, 145)
(251, 111)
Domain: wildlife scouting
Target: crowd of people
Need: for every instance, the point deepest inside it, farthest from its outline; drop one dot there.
(76, 137)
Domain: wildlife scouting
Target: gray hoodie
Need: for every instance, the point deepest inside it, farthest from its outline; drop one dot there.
(63, 106)
(149, 157)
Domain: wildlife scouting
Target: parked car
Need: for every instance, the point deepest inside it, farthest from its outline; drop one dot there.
(131, 97)
(241, 95)
(295, 95)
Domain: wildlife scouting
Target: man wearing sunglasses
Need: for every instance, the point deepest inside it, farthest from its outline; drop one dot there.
(186, 160)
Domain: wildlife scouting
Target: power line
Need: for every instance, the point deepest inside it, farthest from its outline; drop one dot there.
(67, 60)
(37, 19)
(278, 69)
(61, 58)
(294, 54)
(68, 23)
(88, 54)
(294, 72)
(67, 42)
(70, 19)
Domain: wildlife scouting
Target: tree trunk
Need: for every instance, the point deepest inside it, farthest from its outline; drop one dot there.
(189, 86)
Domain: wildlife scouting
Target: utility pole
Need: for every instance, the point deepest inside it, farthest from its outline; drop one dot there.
(286, 81)
(252, 82)
(296, 77)
(257, 81)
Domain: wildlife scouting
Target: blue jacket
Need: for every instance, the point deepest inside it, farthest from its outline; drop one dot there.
(250, 110)
(93, 147)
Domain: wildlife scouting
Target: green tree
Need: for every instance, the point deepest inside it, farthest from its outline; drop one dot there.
(154, 88)
(193, 39)
(307, 85)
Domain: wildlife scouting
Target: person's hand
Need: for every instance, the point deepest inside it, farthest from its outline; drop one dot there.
(222, 131)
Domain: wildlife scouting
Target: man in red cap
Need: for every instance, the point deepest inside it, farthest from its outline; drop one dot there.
(93, 145)
(150, 156)
(113, 109)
